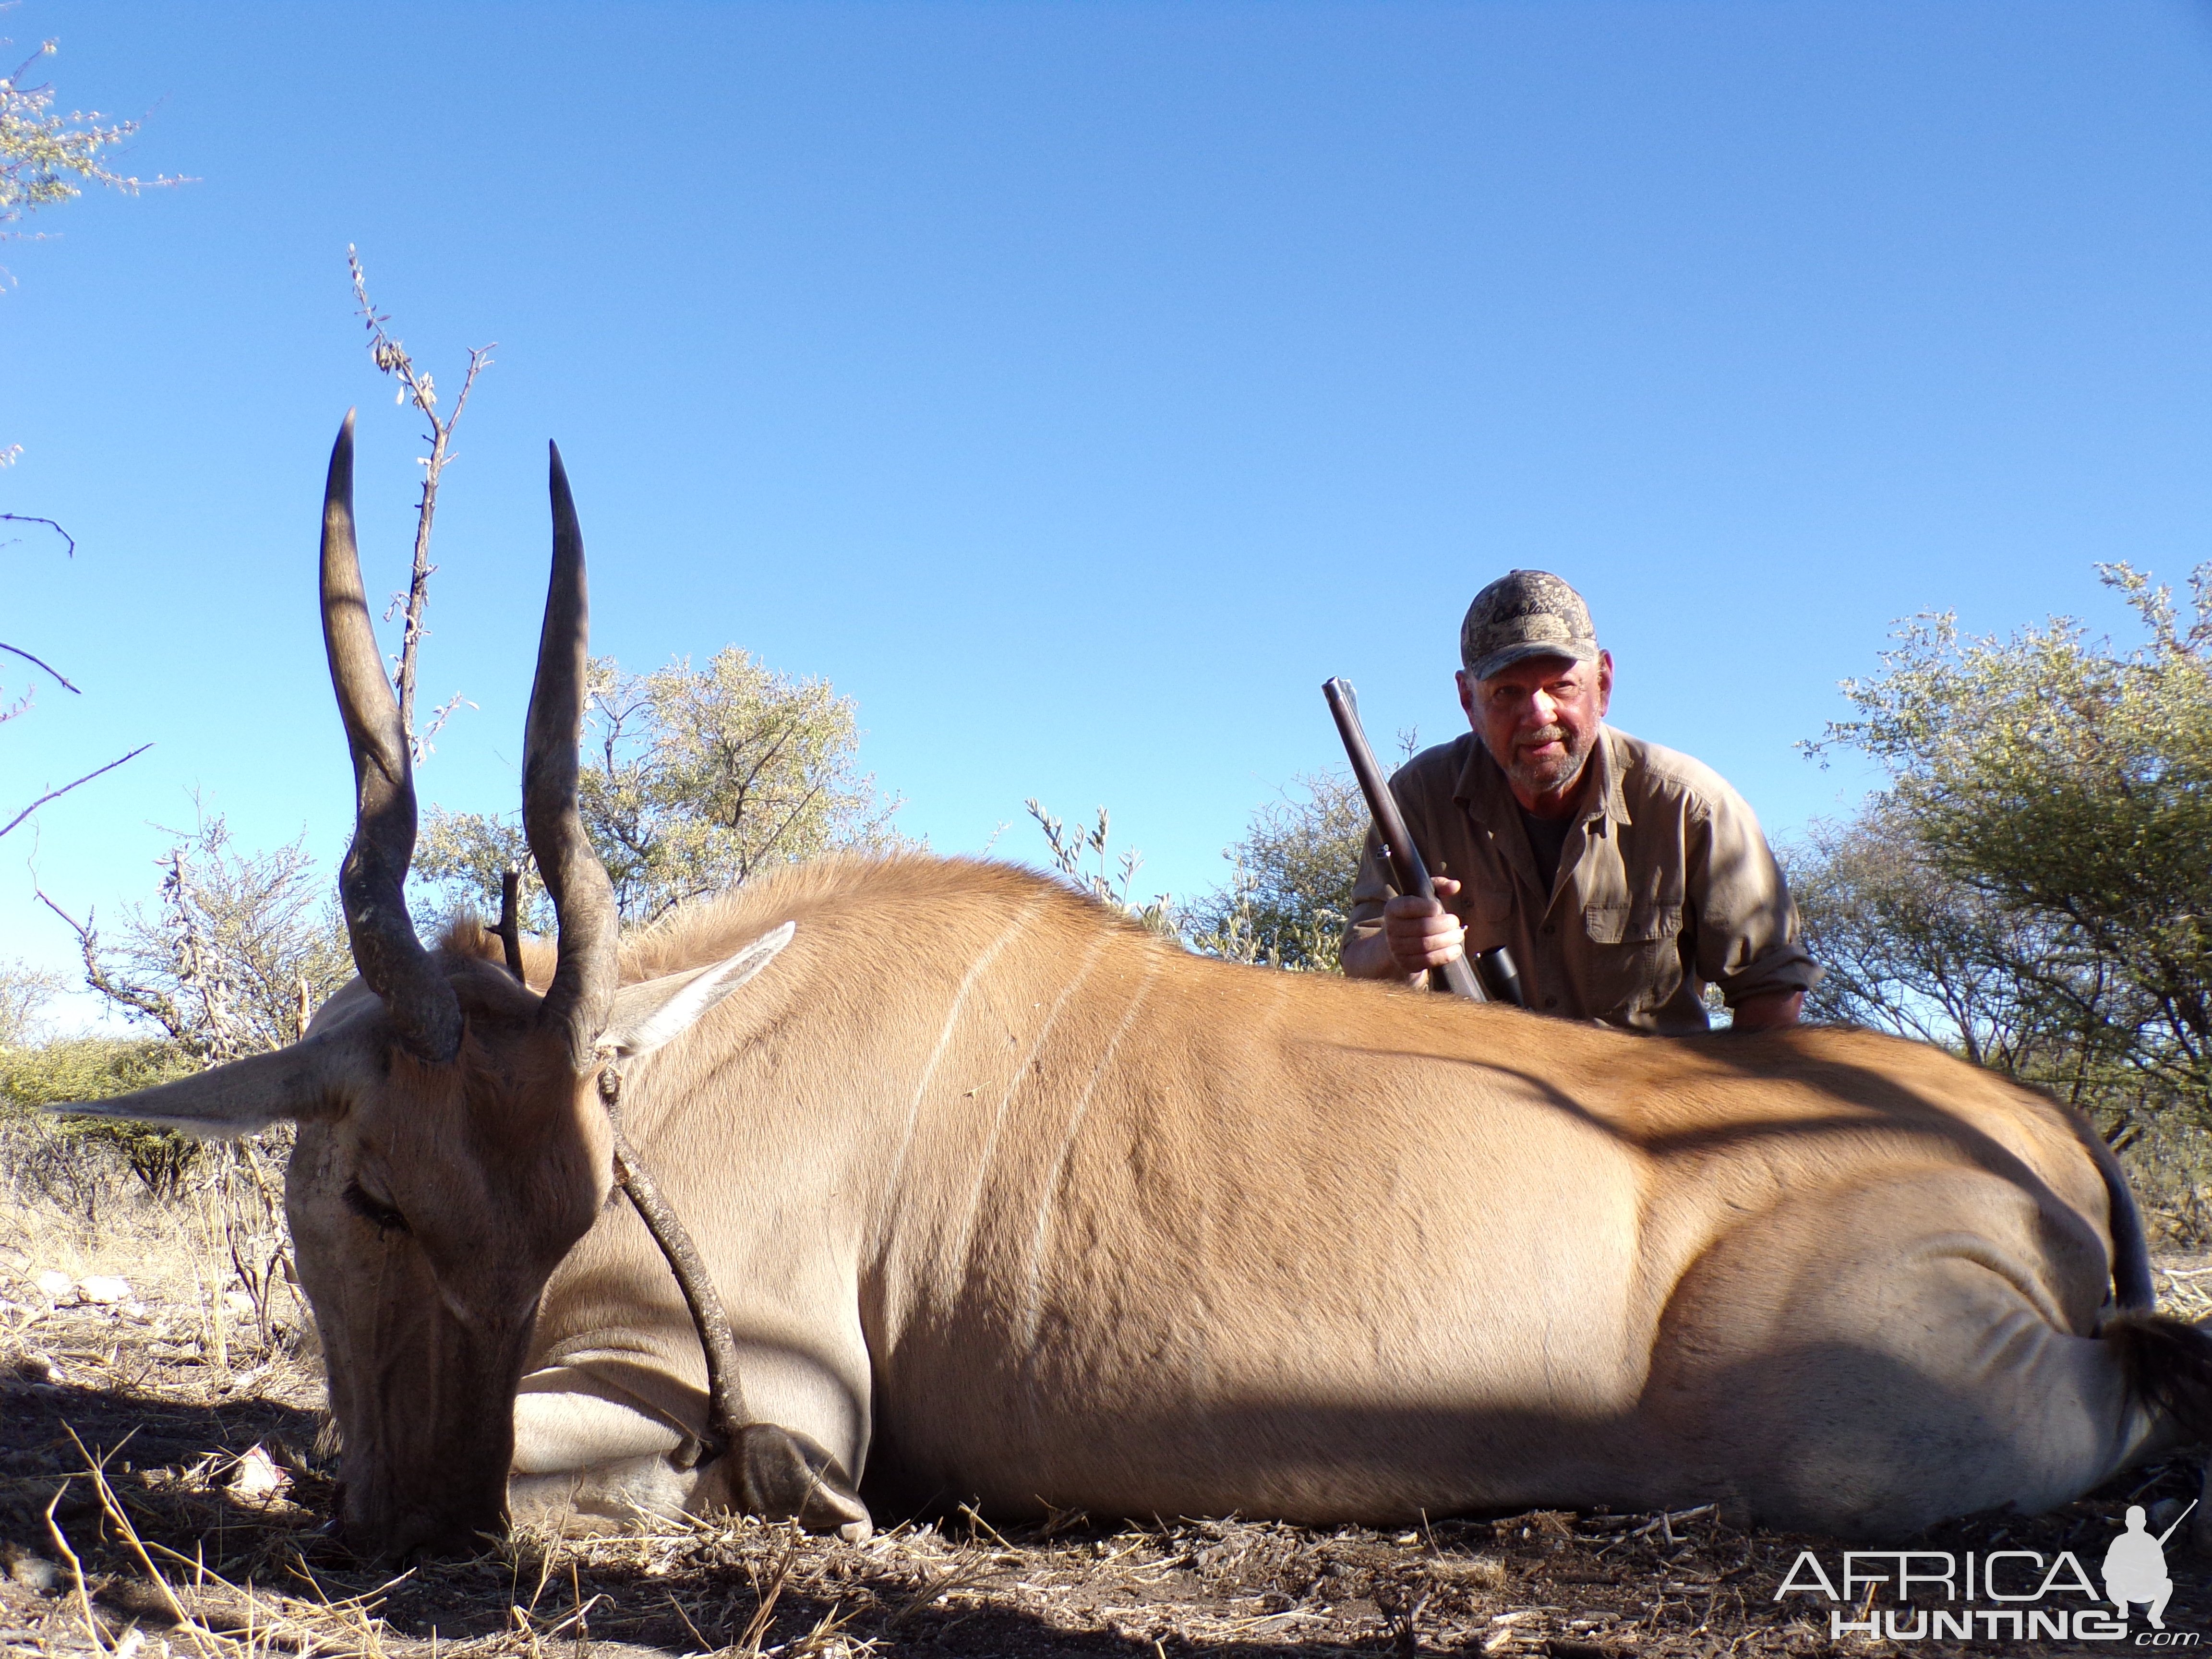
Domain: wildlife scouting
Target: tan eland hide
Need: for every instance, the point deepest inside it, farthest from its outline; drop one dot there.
(1014, 1203)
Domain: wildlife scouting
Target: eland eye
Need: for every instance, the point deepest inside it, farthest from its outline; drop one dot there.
(382, 1217)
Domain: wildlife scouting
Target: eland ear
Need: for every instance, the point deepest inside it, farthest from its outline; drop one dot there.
(652, 1015)
(235, 1099)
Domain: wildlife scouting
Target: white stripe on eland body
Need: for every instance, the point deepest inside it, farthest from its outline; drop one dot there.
(945, 1037)
(960, 1251)
(1032, 1292)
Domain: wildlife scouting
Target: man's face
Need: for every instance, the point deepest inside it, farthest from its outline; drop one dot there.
(1538, 718)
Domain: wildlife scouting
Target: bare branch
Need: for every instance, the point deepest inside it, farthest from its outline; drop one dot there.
(479, 358)
(154, 1006)
(438, 716)
(26, 518)
(55, 794)
(17, 650)
(392, 358)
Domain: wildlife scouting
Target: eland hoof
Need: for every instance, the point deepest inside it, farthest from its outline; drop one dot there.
(787, 1476)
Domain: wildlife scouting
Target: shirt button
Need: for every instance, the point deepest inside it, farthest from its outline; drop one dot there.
(1549, 930)
(1551, 1002)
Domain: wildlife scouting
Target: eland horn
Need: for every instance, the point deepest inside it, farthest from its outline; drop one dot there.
(583, 985)
(417, 999)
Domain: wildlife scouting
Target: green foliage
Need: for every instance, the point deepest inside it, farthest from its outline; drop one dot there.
(1287, 899)
(1069, 848)
(1909, 948)
(96, 1068)
(88, 1068)
(1290, 892)
(693, 781)
(46, 157)
(463, 855)
(2050, 803)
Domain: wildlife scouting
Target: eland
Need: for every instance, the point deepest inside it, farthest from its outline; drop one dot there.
(977, 1190)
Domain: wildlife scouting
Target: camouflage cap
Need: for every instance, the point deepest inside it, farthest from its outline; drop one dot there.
(1525, 613)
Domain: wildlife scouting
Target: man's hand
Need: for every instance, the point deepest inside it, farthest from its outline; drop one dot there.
(1418, 934)
(1770, 1013)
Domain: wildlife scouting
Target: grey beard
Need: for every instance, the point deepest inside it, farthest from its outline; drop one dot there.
(1547, 777)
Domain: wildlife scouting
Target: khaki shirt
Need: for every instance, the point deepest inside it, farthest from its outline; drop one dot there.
(1665, 885)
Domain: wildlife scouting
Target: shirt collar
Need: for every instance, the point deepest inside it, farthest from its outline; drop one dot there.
(1482, 786)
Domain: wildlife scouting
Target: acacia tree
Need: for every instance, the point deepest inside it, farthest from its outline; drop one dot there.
(1293, 870)
(1909, 948)
(2065, 785)
(234, 954)
(694, 780)
(25, 991)
(46, 157)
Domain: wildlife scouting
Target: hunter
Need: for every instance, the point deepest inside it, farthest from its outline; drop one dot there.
(1624, 878)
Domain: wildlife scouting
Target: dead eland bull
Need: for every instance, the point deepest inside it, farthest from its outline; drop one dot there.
(1013, 1202)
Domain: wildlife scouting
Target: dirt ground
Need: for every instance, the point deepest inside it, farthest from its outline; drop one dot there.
(199, 1535)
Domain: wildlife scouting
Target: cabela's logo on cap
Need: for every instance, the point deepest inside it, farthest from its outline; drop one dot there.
(1525, 613)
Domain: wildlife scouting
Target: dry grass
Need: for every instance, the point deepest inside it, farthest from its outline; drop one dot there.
(2170, 1169)
(161, 1495)
(209, 1249)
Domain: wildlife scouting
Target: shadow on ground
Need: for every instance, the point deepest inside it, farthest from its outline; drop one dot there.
(235, 1538)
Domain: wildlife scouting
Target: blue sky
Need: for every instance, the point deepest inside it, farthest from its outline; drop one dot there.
(1077, 386)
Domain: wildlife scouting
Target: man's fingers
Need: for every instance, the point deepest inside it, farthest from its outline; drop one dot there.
(1406, 930)
(1420, 933)
(1421, 942)
(1411, 906)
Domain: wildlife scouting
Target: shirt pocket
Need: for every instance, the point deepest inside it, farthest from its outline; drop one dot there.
(1635, 959)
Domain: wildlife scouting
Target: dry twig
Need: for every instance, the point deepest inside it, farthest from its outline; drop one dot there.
(415, 385)
(56, 795)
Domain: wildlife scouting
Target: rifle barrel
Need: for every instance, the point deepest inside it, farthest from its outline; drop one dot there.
(2178, 1520)
(1407, 869)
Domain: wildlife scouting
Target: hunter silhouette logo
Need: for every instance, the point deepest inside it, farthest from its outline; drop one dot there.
(2135, 1567)
(2012, 1594)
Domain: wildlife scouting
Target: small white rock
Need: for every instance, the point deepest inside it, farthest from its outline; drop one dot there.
(257, 1475)
(104, 1289)
(33, 1573)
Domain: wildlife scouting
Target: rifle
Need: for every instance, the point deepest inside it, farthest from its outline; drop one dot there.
(1492, 976)
(2178, 1520)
